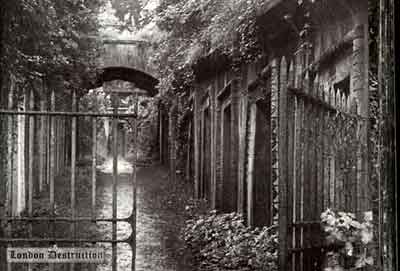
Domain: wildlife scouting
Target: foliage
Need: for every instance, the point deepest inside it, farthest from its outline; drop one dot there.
(223, 242)
(373, 29)
(97, 100)
(133, 14)
(352, 236)
(147, 127)
(196, 208)
(191, 30)
(197, 28)
(49, 39)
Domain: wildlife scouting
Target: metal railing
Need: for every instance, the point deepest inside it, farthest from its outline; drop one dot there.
(53, 156)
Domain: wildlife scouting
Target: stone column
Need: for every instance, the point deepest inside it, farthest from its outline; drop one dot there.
(213, 157)
(218, 150)
(235, 138)
(243, 107)
(196, 124)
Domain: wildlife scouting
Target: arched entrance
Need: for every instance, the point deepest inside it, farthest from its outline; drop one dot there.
(122, 83)
(141, 79)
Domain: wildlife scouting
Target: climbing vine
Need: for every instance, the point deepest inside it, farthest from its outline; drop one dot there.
(192, 30)
(198, 28)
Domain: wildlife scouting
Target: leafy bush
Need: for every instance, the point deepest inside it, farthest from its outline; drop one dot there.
(223, 242)
(351, 236)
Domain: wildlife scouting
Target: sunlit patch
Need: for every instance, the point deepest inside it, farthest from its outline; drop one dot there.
(123, 166)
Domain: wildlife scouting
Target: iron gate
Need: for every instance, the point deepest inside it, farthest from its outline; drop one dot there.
(58, 133)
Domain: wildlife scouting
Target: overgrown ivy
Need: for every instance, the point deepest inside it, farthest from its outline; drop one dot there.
(49, 39)
(223, 242)
(192, 30)
(195, 29)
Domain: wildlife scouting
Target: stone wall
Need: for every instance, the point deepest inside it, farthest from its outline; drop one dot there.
(335, 61)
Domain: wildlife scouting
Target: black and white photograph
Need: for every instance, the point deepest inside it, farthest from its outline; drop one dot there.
(198, 135)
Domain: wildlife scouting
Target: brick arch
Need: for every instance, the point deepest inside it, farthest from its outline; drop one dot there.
(141, 79)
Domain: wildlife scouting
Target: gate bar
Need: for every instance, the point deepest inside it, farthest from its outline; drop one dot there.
(9, 201)
(134, 185)
(73, 170)
(63, 219)
(42, 143)
(30, 163)
(62, 240)
(48, 136)
(94, 162)
(52, 163)
(56, 147)
(70, 114)
(114, 184)
(54, 129)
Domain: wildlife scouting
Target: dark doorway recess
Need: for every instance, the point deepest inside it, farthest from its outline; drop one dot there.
(229, 186)
(262, 169)
(206, 159)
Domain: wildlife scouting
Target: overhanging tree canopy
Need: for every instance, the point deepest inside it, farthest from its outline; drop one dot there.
(49, 38)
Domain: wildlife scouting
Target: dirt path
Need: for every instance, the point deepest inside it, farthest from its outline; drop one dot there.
(160, 207)
(160, 216)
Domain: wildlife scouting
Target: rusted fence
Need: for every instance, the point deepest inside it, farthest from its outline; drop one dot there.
(316, 138)
(42, 145)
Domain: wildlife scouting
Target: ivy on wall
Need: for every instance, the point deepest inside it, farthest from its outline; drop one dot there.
(195, 29)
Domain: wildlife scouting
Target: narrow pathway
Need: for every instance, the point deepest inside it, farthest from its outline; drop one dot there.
(160, 216)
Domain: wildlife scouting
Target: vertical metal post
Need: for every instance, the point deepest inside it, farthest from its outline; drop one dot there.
(59, 144)
(60, 138)
(19, 184)
(52, 163)
(64, 143)
(61, 149)
(48, 135)
(73, 168)
(30, 163)
(42, 143)
(94, 162)
(134, 182)
(56, 150)
(115, 181)
(67, 142)
(9, 202)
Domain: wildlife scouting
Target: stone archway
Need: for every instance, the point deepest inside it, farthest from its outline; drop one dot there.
(139, 78)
